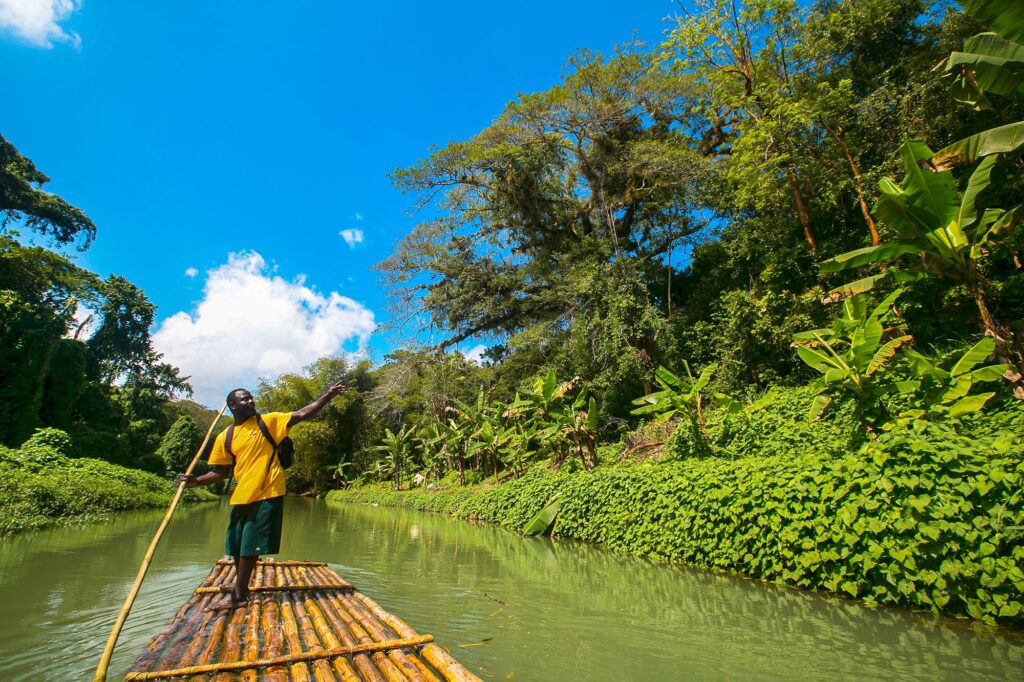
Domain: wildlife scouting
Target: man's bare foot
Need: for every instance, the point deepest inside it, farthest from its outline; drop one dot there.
(228, 603)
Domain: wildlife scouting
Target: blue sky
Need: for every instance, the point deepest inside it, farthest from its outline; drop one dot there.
(190, 131)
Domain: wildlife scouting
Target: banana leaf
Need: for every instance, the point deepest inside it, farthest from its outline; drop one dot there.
(1005, 17)
(543, 520)
(980, 179)
(999, 140)
(971, 403)
(974, 356)
(886, 352)
(870, 254)
(935, 193)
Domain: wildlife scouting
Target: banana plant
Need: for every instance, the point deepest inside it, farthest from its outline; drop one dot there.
(947, 392)
(851, 356)
(395, 449)
(682, 396)
(940, 227)
(991, 63)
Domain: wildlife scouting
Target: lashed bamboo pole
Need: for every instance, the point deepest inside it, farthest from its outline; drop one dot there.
(232, 650)
(341, 587)
(271, 562)
(252, 632)
(362, 662)
(108, 650)
(321, 669)
(391, 672)
(304, 656)
(452, 670)
(380, 632)
(329, 638)
(299, 671)
(272, 645)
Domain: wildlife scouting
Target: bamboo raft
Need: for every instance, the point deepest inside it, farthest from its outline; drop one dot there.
(302, 622)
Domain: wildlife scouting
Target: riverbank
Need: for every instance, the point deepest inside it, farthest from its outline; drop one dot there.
(43, 487)
(924, 518)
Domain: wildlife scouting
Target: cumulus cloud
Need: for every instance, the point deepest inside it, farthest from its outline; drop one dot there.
(191, 272)
(252, 323)
(352, 237)
(476, 354)
(38, 21)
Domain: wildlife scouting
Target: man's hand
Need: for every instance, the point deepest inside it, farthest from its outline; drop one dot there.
(188, 479)
(307, 412)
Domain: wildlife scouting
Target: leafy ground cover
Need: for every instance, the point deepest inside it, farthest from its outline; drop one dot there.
(924, 517)
(44, 487)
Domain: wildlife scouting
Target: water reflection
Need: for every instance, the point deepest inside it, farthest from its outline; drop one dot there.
(508, 607)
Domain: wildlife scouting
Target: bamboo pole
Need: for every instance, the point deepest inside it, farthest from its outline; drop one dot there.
(365, 666)
(329, 637)
(252, 632)
(380, 632)
(304, 656)
(232, 650)
(341, 587)
(108, 650)
(452, 670)
(271, 562)
(272, 646)
(321, 669)
(391, 672)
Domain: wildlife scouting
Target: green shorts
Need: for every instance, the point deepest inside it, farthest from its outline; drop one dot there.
(255, 528)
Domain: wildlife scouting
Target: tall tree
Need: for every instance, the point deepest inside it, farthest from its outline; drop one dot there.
(22, 199)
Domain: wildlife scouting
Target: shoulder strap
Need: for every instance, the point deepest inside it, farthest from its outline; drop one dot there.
(266, 432)
(227, 440)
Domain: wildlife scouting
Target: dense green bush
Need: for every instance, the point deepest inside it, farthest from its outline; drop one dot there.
(774, 424)
(42, 486)
(925, 517)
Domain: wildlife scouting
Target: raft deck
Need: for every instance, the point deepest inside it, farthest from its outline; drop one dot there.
(302, 622)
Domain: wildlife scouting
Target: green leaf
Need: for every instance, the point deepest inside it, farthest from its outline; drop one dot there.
(870, 254)
(1005, 17)
(730, 404)
(816, 359)
(669, 378)
(974, 356)
(548, 387)
(818, 406)
(978, 182)
(990, 373)
(998, 229)
(971, 403)
(868, 283)
(886, 352)
(999, 140)
(704, 378)
(834, 376)
(934, 193)
(865, 342)
(885, 307)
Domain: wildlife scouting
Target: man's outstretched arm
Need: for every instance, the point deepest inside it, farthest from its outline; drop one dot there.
(309, 411)
(216, 475)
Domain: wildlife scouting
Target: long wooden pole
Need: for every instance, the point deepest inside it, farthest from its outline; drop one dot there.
(108, 650)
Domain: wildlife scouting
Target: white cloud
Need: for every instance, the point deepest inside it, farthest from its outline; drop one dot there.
(191, 272)
(352, 237)
(37, 21)
(252, 323)
(476, 354)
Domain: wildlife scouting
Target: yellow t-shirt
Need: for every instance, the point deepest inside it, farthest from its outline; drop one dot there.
(251, 452)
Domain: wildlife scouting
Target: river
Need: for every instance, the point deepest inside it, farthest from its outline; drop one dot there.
(570, 611)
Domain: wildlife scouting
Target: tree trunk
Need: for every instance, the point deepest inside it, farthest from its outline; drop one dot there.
(838, 135)
(801, 210)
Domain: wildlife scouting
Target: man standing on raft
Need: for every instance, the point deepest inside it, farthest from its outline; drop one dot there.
(257, 505)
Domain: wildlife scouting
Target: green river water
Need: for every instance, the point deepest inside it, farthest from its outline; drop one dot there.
(572, 613)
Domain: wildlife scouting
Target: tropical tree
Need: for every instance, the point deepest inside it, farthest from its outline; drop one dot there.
(23, 200)
(395, 446)
(942, 228)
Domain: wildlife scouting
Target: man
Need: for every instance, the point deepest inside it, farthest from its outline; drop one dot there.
(257, 507)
